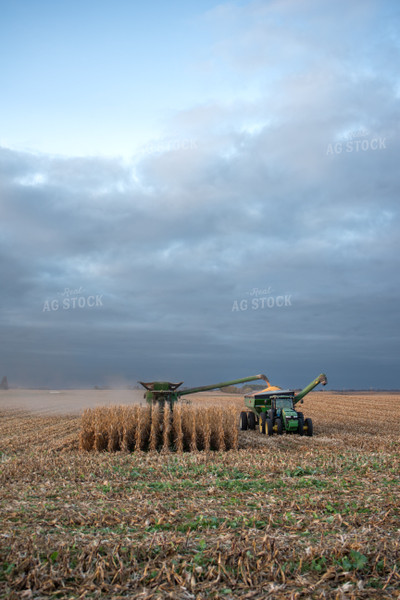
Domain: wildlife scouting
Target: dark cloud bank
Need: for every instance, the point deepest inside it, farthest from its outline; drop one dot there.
(115, 270)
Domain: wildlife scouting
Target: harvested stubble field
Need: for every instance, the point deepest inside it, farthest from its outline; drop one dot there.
(280, 517)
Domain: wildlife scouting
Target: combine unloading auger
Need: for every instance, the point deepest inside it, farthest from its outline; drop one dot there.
(165, 391)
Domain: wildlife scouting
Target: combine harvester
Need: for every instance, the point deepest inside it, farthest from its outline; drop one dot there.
(273, 410)
(166, 392)
(160, 426)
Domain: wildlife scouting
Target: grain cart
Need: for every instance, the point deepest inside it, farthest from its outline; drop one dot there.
(273, 410)
(165, 391)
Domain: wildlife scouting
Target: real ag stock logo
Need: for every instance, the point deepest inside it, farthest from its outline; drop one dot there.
(261, 298)
(357, 141)
(72, 299)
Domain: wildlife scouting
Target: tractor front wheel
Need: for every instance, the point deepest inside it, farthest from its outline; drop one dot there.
(243, 424)
(269, 426)
(279, 426)
(309, 427)
(300, 430)
(251, 420)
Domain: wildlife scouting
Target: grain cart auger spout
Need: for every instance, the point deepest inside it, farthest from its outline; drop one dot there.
(273, 410)
(165, 391)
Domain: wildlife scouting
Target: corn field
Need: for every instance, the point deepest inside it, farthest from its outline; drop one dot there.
(132, 429)
(123, 502)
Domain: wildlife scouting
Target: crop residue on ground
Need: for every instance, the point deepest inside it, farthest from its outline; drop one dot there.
(281, 517)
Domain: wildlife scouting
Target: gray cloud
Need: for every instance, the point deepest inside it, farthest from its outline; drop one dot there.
(171, 239)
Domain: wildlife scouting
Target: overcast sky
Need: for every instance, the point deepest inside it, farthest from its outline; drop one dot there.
(199, 191)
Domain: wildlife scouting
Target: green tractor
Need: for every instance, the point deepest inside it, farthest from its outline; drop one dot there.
(166, 392)
(273, 410)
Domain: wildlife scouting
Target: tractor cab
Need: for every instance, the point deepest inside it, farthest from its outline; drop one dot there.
(281, 402)
(282, 408)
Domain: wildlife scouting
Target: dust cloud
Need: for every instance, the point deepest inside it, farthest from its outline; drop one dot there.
(65, 402)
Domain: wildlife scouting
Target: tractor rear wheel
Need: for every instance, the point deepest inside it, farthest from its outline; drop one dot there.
(279, 426)
(269, 427)
(309, 427)
(251, 420)
(300, 430)
(243, 424)
(261, 422)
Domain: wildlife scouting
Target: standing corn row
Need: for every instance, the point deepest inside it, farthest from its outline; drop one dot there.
(234, 430)
(100, 431)
(128, 430)
(86, 436)
(166, 429)
(140, 428)
(206, 430)
(138, 432)
(155, 427)
(221, 432)
(114, 429)
(177, 426)
(193, 438)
